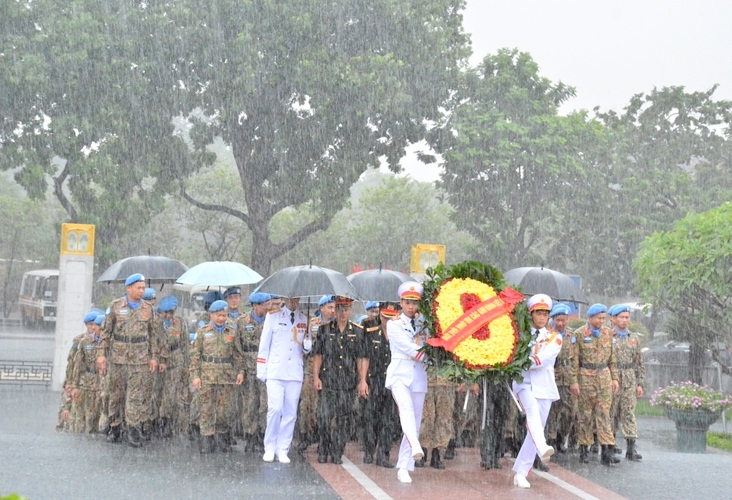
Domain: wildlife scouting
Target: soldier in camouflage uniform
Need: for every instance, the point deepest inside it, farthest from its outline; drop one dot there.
(339, 354)
(216, 364)
(562, 421)
(85, 383)
(176, 400)
(67, 411)
(631, 376)
(594, 380)
(308, 406)
(378, 411)
(253, 391)
(130, 337)
(437, 419)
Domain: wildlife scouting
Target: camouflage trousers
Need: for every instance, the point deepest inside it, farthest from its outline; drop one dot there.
(130, 387)
(335, 416)
(307, 409)
(253, 398)
(379, 419)
(499, 405)
(89, 403)
(622, 411)
(467, 420)
(64, 423)
(594, 407)
(437, 417)
(176, 400)
(563, 415)
(214, 406)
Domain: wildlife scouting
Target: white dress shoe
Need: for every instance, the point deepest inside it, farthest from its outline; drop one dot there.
(546, 453)
(520, 481)
(268, 456)
(283, 458)
(417, 453)
(403, 476)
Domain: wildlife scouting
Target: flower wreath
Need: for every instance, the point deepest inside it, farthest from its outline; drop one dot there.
(478, 326)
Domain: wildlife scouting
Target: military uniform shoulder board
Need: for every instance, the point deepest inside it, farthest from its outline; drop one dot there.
(373, 328)
(274, 311)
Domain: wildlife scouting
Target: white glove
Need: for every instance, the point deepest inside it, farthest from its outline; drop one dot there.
(307, 344)
(262, 372)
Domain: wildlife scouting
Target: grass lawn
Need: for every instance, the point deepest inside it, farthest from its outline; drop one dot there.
(644, 409)
(720, 440)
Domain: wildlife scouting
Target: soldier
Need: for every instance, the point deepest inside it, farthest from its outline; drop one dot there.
(176, 400)
(406, 375)
(216, 365)
(378, 410)
(631, 376)
(150, 295)
(464, 417)
(538, 388)
(562, 421)
(338, 355)
(66, 408)
(103, 389)
(308, 405)
(283, 343)
(85, 385)
(594, 380)
(129, 336)
(254, 392)
(158, 378)
(372, 310)
(232, 296)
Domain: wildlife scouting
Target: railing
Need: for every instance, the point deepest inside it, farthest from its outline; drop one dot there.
(10, 322)
(26, 372)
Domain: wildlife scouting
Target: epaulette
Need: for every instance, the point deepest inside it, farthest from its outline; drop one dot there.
(274, 310)
(373, 329)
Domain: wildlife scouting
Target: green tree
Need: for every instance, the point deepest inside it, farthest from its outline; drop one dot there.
(686, 270)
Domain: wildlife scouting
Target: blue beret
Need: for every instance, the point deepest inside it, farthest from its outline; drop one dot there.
(90, 317)
(217, 306)
(259, 298)
(361, 319)
(212, 296)
(168, 303)
(558, 309)
(596, 309)
(134, 278)
(232, 290)
(618, 308)
(99, 319)
(326, 299)
(371, 305)
(149, 294)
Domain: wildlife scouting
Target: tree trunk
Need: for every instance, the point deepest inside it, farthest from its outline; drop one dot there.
(696, 363)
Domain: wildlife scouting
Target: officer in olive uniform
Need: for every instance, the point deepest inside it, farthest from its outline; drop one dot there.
(631, 376)
(378, 410)
(175, 405)
(338, 355)
(563, 415)
(216, 365)
(594, 380)
(129, 336)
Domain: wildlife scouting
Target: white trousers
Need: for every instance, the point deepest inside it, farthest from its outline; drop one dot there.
(537, 411)
(410, 406)
(282, 400)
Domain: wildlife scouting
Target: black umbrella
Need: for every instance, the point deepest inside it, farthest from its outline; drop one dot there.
(378, 284)
(556, 285)
(307, 281)
(154, 268)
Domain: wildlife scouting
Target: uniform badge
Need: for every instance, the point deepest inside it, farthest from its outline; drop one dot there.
(230, 338)
(208, 335)
(573, 339)
(201, 324)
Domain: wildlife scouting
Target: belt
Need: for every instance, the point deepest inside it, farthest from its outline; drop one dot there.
(629, 366)
(398, 355)
(221, 361)
(130, 340)
(563, 362)
(246, 348)
(593, 366)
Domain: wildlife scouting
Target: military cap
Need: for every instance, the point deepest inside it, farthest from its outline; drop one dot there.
(134, 278)
(343, 301)
(150, 294)
(559, 309)
(232, 290)
(539, 302)
(168, 304)
(99, 319)
(410, 290)
(617, 309)
(90, 317)
(596, 309)
(389, 311)
(212, 296)
(219, 305)
(259, 298)
(326, 299)
(371, 305)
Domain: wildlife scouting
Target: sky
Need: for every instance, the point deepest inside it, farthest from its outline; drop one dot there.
(607, 50)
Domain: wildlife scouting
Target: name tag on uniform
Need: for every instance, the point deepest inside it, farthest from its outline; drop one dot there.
(588, 340)
(249, 328)
(123, 312)
(376, 341)
(89, 347)
(283, 324)
(208, 335)
(615, 341)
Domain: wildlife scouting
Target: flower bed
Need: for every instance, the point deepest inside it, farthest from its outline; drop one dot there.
(690, 396)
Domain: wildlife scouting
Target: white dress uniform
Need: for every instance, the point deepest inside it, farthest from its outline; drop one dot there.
(536, 393)
(406, 376)
(280, 365)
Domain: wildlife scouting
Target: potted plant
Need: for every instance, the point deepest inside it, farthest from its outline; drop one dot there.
(693, 408)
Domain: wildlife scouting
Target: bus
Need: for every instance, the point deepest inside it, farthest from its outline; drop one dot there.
(38, 298)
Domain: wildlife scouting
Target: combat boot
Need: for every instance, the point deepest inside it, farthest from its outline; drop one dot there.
(207, 445)
(539, 465)
(134, 437)
(608, 457)
(595, 446)
(450, 451)
(368, 458)
(223, 442)
(632, 453)
(165, 430)
(114, 434)
(559, 444)
(435, 460)
(420, 462)
(382, 459)
(584, 457)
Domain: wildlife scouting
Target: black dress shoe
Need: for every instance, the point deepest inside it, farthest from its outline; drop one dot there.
(322, 459)
(368, 459)
(337, 460)
(539, 465)
(134, 437)
(382, 460)
(420, 462)
(113, 435)
(436, 461)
